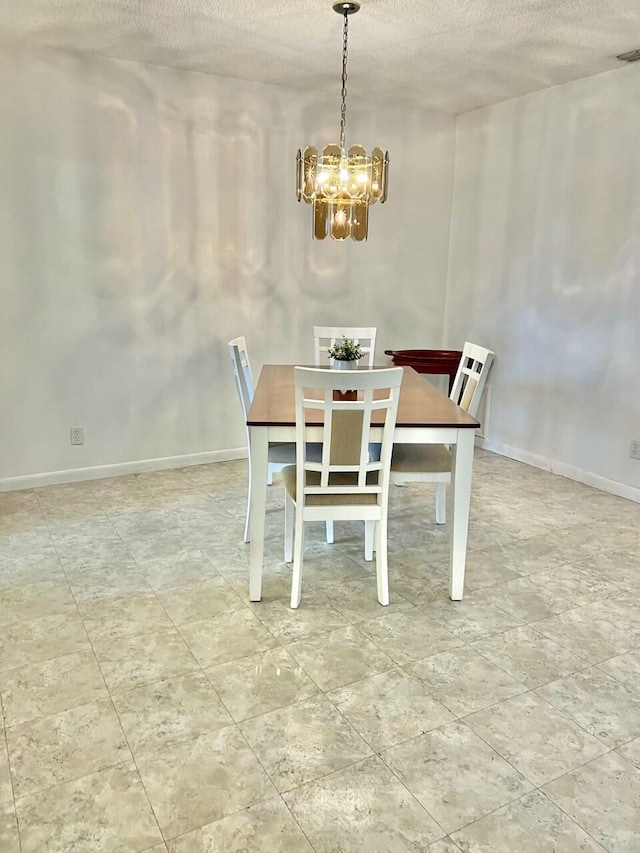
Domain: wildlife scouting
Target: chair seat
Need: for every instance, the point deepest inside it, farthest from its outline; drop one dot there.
(338, 479)
(432, 458)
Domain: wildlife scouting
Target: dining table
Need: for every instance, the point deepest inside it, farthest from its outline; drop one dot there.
(425, 416)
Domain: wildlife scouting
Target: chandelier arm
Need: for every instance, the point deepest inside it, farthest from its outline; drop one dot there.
(343, 108)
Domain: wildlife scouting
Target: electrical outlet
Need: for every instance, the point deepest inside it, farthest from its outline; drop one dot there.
(634, 452)
(77, 435)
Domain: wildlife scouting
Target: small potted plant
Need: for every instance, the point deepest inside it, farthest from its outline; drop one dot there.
(346, 354)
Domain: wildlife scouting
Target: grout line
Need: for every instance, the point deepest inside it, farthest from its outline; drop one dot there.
(5, 744)
(124, 734)
(299, 825)
(115, 711)
(232, 723)
(568, 816)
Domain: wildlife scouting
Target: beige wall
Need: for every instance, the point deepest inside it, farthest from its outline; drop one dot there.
(544, 268)
(149, 215)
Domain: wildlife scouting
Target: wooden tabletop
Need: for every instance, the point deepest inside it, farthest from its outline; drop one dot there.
(421, 404)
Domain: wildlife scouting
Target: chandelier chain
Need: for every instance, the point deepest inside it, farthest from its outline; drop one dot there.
(343, 108)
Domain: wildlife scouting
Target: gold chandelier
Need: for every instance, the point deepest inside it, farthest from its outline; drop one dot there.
(341, 183)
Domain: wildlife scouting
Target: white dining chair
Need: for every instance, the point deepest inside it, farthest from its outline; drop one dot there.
(324, 337)
(344, 485)
(280, 454)
(431, 463)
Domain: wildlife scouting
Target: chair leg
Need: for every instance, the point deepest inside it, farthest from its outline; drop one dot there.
(248, 519)
(298, 549)
(329, 532)
(369, 534)
(441, 503)
(247, 522)
(289, 512)
(382, 569)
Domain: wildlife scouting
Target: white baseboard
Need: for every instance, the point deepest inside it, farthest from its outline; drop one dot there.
(119, 469)
(622, 490)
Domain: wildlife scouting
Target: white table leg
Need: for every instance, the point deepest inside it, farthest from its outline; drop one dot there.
(460, 502)
(259, 438)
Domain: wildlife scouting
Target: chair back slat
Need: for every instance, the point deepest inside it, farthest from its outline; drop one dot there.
(242, 372)
(348, 401)
(471, 377)
(327, 336)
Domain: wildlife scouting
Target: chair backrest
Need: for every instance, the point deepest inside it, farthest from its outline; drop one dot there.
(471, 376)
(326, 336)
(242, 372)
(351, 402)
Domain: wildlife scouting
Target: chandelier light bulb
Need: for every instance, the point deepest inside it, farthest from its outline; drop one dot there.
(341, 183)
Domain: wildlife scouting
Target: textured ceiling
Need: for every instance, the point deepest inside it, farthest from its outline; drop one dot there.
(452, 55)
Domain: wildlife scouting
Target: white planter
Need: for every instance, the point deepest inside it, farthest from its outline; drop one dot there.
(339, 364)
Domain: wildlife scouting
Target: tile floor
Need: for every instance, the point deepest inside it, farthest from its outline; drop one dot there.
(147, 706)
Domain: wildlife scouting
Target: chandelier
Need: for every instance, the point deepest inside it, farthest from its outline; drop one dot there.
(341, 183)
